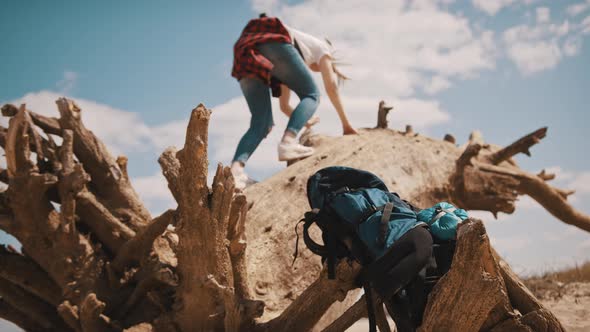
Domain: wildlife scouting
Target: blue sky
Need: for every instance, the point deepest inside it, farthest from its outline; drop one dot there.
(506, 67)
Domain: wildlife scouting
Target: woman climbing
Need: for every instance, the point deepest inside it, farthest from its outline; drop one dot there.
(270, 54)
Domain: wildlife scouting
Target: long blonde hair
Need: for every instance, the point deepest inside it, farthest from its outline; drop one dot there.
(336, 63)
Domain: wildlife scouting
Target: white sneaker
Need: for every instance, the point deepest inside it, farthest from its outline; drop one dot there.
(240, 178)
(293, 150)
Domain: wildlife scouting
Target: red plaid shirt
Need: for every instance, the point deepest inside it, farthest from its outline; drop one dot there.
(248, 62)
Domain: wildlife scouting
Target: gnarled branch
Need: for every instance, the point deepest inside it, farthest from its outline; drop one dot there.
(171, 170)
(478, 287)
(24, 272)
(141, 244)
(309, 307)
(550, 198)
(112, 232)
(110, 184)
(92, 318)
(382, 115)
(237, 245)
(23, 320)
(70, 314)
(159, 278)
(520, 146)
(202, 228)
(38, 310)
(17, 148)
(357, 311)
(543, 175)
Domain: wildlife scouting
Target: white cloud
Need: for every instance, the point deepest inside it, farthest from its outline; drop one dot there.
(560, 173)
(543, 15)
(578, 8)
(67, 83)
(584, 246)
(152, 187)
(122, 131)
(532, 57)
(437, 84)
(492, 7)
(542, 46)
(511, 243)
(394, 46)
(572, 46)
(571, 180)
(585, 26)
(169, 134)
(153, 191)
(580, 183)
(526, 202)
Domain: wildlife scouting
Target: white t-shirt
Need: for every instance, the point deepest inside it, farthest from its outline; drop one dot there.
(311, 47)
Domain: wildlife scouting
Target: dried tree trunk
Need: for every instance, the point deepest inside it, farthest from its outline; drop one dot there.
(382, 114)
(478, 294)
(94, 260)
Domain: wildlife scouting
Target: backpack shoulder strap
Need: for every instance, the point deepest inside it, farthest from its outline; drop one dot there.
(370, 307)
(384, 224)
(328, 251)
(308, 220)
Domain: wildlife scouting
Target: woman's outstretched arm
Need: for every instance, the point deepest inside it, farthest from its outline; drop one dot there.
(331, 85)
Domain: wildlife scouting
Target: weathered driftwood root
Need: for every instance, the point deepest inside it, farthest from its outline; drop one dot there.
(19, 318)
(308, 308)
(108, 179)
(140, 245)
(520, 146)
(60, 280)
(475, 295)
(37, 310)
(484, 166)
(24, 272)
(98, 262)
(211, 237)
(382, 114)
(450, 138)
(357, 311)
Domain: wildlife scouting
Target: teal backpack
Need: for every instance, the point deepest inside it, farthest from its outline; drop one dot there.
(351, 205)
(360, 219)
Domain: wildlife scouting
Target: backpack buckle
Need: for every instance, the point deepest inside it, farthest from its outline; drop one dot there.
(342, 190)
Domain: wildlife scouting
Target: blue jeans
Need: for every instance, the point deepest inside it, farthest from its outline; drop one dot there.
(290, 69)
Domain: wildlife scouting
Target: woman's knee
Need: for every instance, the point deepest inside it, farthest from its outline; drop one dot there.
(312, 97)
(260, 129)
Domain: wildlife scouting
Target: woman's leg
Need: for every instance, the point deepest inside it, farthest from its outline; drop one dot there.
(258, 98)
(402, 262)
(290, 69)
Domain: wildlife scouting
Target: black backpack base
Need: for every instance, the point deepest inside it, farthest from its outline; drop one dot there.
(407, 306)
